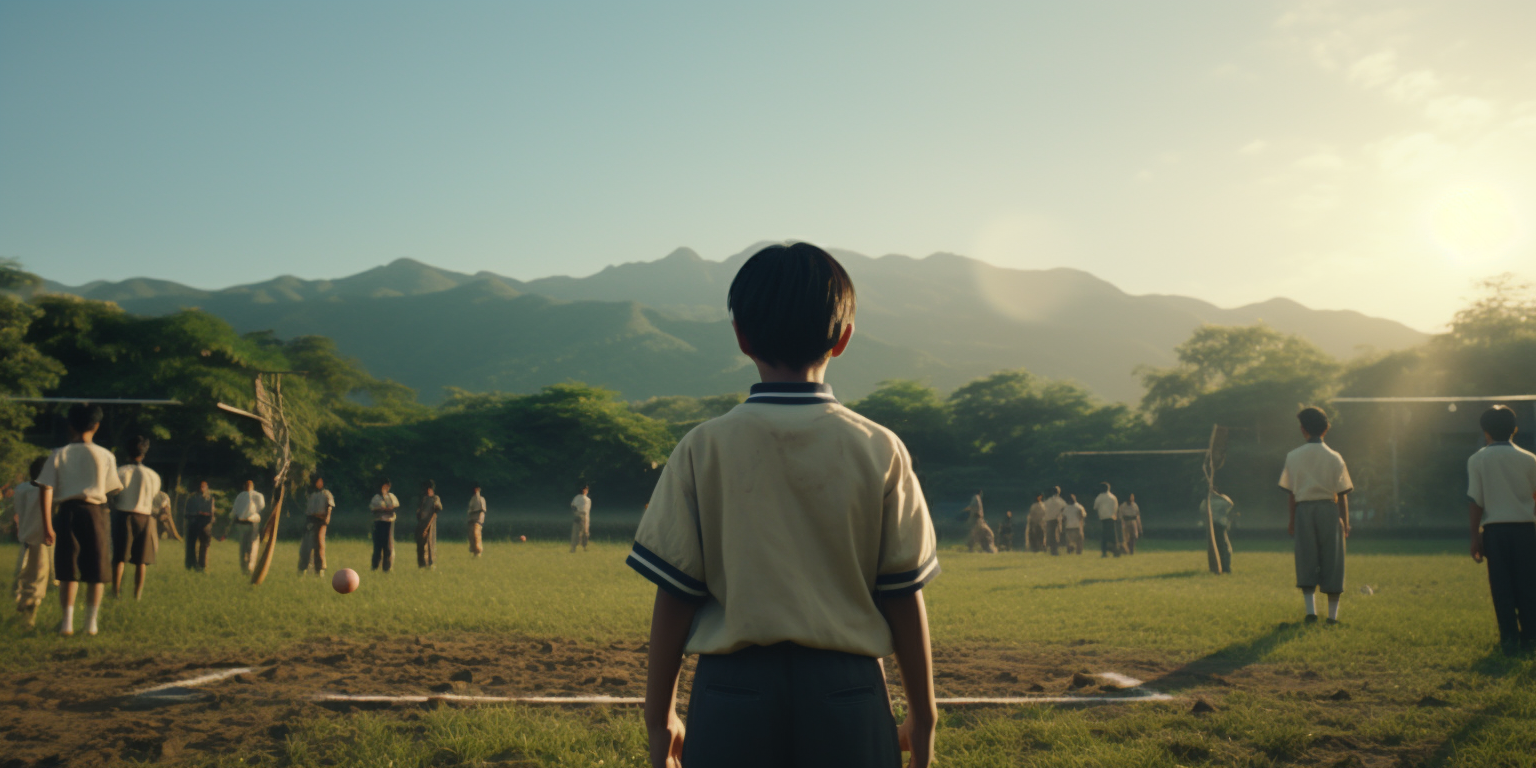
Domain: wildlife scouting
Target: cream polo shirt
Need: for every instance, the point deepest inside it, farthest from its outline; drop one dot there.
(477, 509)
(162, 503)
(1315, 472)
(84, 471)
(1054, 506)
(1502, 480)
(786, 519)
(581, 506)
(29, 513)
(1107, 505)
(1129, 509)
(383, 507)
(140, 486)
(249, 506)
(321, 503)
(1073, 515)
(1036, 513)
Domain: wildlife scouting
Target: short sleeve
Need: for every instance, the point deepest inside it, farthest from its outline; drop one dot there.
(1475, 481)
(114, 482)
(50, 474)
(1287, 481)
(909, 557)
(667, 548)
(377, 502)
(1343, 484)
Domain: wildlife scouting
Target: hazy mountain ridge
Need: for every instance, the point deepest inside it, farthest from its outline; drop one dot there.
(654, 328)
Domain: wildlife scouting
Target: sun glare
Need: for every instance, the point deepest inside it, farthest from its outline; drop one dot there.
(1475, 223)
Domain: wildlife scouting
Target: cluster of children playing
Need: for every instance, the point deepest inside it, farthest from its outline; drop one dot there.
(81, 519)
(1055, 521)
(789, 542)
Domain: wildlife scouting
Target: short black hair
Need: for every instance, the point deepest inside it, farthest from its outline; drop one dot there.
(791, 303)
(1499, 422)
(83, 417)
(425, 484)
(36, 467)
(383, 481)
(475, 486)
(1055, 490)
(139, 447)
(1313, 420)
(1106, 486)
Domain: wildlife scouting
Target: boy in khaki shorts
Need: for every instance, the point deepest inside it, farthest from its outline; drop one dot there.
(81, 474)
(1073, 516)
(789, 542)
(133, 523)
(1319, 485)
(476, 513)
(34, 529)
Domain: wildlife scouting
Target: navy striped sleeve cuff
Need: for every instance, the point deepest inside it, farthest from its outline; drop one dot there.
(680, 585)
(907, 582)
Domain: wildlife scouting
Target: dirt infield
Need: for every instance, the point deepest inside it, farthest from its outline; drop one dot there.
(79, 710)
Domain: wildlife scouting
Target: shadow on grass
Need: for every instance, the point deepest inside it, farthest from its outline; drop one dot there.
(1228, 659)
(1150, 577)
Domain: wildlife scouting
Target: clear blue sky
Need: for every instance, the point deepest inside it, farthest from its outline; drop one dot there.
(1369, 155)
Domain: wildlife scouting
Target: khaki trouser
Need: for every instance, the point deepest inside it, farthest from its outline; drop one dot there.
(475, 547)
(580, 532)
(34, 569)
(426, 542)
(1034, 536)
(982, 539)
(1053, 536)
(247, 546)
(1130, 531)
(312, 546)
(1074, 539)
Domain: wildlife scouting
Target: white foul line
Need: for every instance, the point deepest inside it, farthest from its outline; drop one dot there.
(212, 677)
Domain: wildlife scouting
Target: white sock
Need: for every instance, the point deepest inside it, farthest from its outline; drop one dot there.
(68, 624)
(90, 618)
(1310, 598)
(1333, 607)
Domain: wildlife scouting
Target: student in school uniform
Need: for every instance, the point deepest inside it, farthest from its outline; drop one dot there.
(245, 517)
(1318, 482)
(165, 520)
(1055, 529)
(1107, 508)
(1501, 483)
(34, 530)
(1005, 532)
(427, 509)
(581, 519)
(81, 475)
(1130, 523)
(981, 537)
(1219, 510)
(197, 517)
(476, 521)
(1034, 525)
(133, 523)
(383, 508)
(789, 543)
(1073, 516)
(317, 518)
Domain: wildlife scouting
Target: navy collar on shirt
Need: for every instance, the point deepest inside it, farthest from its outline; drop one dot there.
(796, 393)
(1501, 442)
(1315, 440)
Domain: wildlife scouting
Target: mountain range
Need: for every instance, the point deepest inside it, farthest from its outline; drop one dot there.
(660, 328)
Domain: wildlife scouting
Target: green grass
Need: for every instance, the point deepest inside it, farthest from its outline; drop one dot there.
(1428, 630)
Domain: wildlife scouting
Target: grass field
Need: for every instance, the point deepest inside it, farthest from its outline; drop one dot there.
(1410, 678)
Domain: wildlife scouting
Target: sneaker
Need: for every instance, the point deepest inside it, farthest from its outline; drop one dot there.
(1332, 622)
(1310, 619)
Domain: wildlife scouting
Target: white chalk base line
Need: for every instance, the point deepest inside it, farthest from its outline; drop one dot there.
(212, 677)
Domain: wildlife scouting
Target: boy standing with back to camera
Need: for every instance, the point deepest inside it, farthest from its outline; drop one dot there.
(790, 542)
(81, 475)
(1501, 482)
(1319, 486)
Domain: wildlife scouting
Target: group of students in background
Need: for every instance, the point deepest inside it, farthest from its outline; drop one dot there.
(82, 519)
(1055, 521)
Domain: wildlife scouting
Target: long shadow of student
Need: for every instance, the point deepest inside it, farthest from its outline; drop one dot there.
(1226, 660)
(1149, 577)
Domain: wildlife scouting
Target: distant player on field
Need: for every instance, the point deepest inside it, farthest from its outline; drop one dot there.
(1005, 532)
(383, 507)
(981, 536)
(790, 543)
(1501, 481)
(34, 529)
(245, 516)
(1055, 530)
(1319, 485)
(1073, 516)
(1107, 508)
(581, 519)
(1034, 525)
(197, 516)
(476, 513)
(165, 520)
(1218, 507)
(317, 518)
(133, 523)
(1130, 523)
(81, 475)
(427, 509)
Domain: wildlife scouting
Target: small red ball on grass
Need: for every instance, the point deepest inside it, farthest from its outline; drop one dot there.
(345, 581)
(522, 538)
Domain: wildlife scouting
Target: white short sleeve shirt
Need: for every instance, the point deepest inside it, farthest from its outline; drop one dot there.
(29, 513)
(140, 487)
(786, 519)
(1073, 516)
(1501, 478)
(84, 471)
(1315, 472)
(1107, 505)
(1054, 506)
(581, 506)
(248, 506)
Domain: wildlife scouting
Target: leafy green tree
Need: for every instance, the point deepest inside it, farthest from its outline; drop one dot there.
(682, 413)
(27, 372)
(14, 278)
(918, 415)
